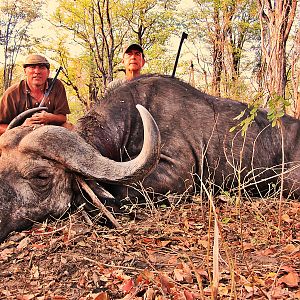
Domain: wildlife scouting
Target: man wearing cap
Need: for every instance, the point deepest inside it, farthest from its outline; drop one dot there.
(133, 61)
(29, 93)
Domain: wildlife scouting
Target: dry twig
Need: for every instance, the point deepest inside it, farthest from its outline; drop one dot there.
(97, 202)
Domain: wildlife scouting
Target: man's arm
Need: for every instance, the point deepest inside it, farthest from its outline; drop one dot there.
(40, 118)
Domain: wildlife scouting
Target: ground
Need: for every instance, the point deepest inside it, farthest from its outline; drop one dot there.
(166, 253)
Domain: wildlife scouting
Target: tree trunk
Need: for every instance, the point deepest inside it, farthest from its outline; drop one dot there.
(218, 51)
(276, 21)
(295, 76)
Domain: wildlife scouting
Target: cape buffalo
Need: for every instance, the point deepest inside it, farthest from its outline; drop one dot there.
(197, 147)
(197, 142)
(37, 168)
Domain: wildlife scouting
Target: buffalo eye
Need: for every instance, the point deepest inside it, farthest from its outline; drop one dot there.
(40, 180)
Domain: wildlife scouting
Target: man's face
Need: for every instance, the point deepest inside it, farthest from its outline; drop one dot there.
(36, 74)
(133, 60)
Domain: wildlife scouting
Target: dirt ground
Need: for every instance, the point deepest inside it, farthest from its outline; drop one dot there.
(168, 253)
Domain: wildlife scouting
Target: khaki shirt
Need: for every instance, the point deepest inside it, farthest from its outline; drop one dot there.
(115, 83)
(17, 99)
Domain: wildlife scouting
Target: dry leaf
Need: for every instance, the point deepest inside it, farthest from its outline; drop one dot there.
(35, 272)
(203, 243)
(188, 295)
(82, 281)
(102, 296)
(166, 283)
(38, 246)
(128, 285)
(247, 246)
(163, 243)
(278, 293)
(23, 244)
(297, 295)
(6, 253)
(202, 273)
(291, 279)
(26, 297)
(146, 276)
(132, 295)
(267, 252)
(82, 244)
(287, 269)
(187, 273)
(286, 218)
(150, 294)
(289, 248)
(178, 275)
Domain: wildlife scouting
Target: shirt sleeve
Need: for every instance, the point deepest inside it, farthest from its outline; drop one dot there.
(61, 105)
(8, 109)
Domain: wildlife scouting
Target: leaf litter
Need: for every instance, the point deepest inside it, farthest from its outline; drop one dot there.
(165, 254)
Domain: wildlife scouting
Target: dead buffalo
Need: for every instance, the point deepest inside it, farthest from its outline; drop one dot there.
(37, 168)
(196, 147)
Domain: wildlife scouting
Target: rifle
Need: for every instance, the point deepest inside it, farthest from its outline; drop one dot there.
(19, 119)
(183, 37)
(48, 91)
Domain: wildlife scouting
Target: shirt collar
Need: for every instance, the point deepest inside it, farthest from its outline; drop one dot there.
(26, 88)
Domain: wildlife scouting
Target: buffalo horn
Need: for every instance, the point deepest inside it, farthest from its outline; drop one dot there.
(72, 151)
(19, 119)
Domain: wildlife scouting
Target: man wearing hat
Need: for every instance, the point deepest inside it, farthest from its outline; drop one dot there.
(133, 60)
(28, 93)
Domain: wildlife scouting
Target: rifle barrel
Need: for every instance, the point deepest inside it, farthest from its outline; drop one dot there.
(46, 95)
(183, 37)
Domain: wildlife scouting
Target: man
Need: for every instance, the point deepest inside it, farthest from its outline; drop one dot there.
(133, 60)
(29, 93)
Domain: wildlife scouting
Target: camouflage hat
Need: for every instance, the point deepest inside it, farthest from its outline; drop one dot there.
(133, 47)
(36, 59)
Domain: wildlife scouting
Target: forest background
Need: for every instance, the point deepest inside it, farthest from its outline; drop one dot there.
(248, 50)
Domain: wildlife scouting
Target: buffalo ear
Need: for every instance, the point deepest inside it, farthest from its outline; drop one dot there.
(72, 151)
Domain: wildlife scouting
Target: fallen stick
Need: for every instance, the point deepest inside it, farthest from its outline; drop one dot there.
(97, 202)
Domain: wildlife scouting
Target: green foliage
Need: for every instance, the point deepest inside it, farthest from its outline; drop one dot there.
(90, 34)
(277, 107)
(16, 18)
(101, 28)
(77, 110)
(223, 26)
(248, 116)
(151, 24)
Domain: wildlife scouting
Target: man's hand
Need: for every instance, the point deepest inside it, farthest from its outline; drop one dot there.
(43, 118)
(39, 118)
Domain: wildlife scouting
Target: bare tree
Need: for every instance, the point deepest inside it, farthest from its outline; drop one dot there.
(92, 23)
(295, 73)
(227, 25)
(276, 21)
(102, 26)
(15, 20)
